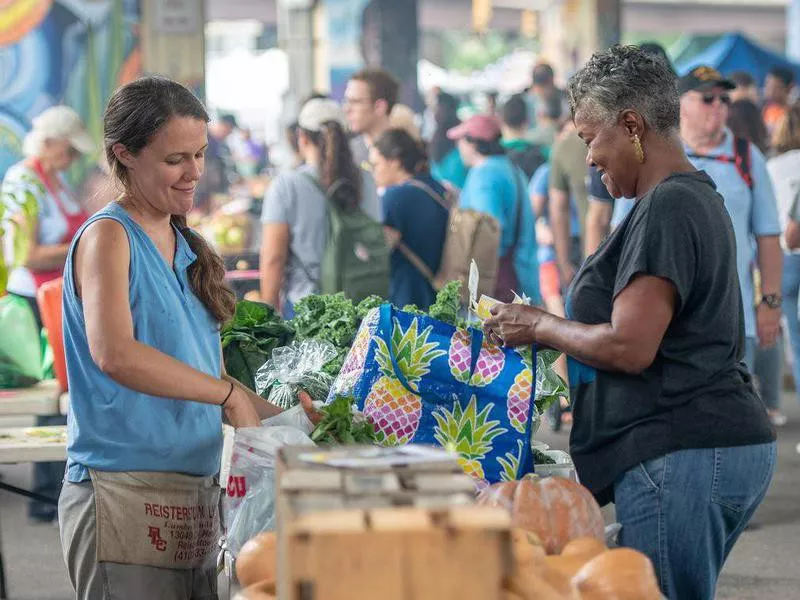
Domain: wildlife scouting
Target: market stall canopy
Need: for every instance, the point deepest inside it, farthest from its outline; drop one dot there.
(735, 52)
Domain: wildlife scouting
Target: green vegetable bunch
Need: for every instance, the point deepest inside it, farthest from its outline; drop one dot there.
(249, 338)
(333, 318)
(340, 425)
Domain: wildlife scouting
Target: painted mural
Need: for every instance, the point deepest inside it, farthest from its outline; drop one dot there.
(73, 52)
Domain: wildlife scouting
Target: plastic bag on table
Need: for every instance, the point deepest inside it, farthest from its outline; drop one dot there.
(20, 343)
(248, 507)
(296, 367)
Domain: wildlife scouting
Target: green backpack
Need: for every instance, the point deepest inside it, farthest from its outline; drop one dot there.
(356, 257)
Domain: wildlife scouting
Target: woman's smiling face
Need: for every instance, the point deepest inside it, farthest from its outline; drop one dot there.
(611, 150)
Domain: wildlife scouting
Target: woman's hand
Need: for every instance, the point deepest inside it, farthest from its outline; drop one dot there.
(308, 406)
(239, 410)
(513, 324)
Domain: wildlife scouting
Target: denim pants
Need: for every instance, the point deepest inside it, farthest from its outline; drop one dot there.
(790, 292)
(685, 511)
(766, 364)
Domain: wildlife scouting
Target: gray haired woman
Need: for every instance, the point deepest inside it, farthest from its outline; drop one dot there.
(666, 421)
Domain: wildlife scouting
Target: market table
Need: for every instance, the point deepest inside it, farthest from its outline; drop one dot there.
(29, 444)
(40, 399)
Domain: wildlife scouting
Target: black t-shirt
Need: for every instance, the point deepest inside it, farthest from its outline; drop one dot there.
(697, 393)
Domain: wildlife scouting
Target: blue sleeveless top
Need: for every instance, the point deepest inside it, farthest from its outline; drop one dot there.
(114, 428)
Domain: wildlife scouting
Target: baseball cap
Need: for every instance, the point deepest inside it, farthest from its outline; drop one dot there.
(317, 111)
(478, 127)
(63, 123)
(702, 79)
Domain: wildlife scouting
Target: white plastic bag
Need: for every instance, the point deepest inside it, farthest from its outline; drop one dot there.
(296, 367)
(248, 507)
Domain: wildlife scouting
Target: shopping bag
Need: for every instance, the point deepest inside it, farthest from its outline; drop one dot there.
(422, 381)
(20, 344)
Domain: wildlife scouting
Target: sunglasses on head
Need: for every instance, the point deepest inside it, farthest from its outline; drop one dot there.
(710, 97)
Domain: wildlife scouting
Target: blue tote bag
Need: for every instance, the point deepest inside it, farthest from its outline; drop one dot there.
(421, 381)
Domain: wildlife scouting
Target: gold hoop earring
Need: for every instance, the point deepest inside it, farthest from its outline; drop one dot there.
(637, 148)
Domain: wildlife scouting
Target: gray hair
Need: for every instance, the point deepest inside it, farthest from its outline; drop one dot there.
(626, 77)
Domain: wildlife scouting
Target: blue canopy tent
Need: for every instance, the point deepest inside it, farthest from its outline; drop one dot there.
(735, 52)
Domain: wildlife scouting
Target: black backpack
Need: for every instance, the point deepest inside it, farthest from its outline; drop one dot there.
(528, 159)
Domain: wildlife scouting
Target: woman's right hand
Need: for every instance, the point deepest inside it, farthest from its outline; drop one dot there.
(239, 411)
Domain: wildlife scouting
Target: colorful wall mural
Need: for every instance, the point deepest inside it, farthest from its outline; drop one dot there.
(73, 52)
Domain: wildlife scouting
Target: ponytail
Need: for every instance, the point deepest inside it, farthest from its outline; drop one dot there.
(207, 274)
(339, 175)
(398, 144)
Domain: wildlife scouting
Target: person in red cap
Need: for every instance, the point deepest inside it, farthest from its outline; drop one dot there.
(497, 187)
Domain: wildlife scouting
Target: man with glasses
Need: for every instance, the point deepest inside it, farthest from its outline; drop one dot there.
(740, 173)
(369, 98)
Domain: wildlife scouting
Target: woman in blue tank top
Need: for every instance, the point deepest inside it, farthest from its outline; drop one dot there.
(143, 301)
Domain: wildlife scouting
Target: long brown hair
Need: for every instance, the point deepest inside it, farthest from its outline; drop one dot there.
(135, 113)
(338, 173)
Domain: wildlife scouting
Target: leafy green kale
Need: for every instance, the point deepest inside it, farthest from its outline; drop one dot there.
(447, 304)
(249, 338)
(339, 425)
(366, 305)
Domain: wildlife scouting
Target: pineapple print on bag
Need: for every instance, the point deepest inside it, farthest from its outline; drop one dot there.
(353, 366)
(491, 361)
(467, 432)
(460, 355)
(510, 463)
(393, 409)
(519, 400)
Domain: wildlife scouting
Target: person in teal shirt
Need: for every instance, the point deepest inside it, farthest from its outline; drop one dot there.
(445, 160)
(497, 187)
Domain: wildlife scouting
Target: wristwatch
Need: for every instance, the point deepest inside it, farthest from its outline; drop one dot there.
(772, 300)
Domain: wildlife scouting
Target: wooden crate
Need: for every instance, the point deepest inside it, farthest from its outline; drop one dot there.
(391, 533)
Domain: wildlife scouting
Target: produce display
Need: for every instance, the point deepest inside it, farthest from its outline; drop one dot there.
(249, 338)
(596, 572)
(556, 509)
(585, 569)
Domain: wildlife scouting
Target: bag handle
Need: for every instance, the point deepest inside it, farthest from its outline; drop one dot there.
(418, 263)
(385, 326)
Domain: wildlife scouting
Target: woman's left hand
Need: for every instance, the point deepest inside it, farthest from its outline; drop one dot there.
(514, 324)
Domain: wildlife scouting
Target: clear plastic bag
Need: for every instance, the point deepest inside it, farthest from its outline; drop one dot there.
(249, 504)
(294, 368)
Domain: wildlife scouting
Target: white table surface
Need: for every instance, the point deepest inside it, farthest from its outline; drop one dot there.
(22, 444)
(40, 399)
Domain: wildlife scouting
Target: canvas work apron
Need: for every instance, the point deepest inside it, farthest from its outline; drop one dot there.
(74, 222)
(166, 520)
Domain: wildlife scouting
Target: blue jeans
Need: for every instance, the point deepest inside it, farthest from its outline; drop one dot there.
(790, 292)
(766, 364)
(685, 511)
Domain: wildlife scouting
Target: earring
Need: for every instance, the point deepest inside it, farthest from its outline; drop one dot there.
(637, 148)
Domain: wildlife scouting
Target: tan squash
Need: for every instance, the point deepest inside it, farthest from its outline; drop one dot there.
(264, 590)
(575, 554)
(258, 560)
(526, 547)
(619, 574)
(556, 509)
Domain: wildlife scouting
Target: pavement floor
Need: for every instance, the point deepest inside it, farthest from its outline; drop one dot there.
(764, 564)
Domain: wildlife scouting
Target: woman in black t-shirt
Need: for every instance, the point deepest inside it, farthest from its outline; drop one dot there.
(666, 420)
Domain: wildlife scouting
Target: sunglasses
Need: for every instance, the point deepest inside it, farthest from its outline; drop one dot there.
(708, 99)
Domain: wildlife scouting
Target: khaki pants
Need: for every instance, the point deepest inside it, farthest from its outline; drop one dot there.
(114, 581)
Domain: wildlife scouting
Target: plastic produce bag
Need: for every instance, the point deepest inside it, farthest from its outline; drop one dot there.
(249, 504)
(20, 343)
(294, 368)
